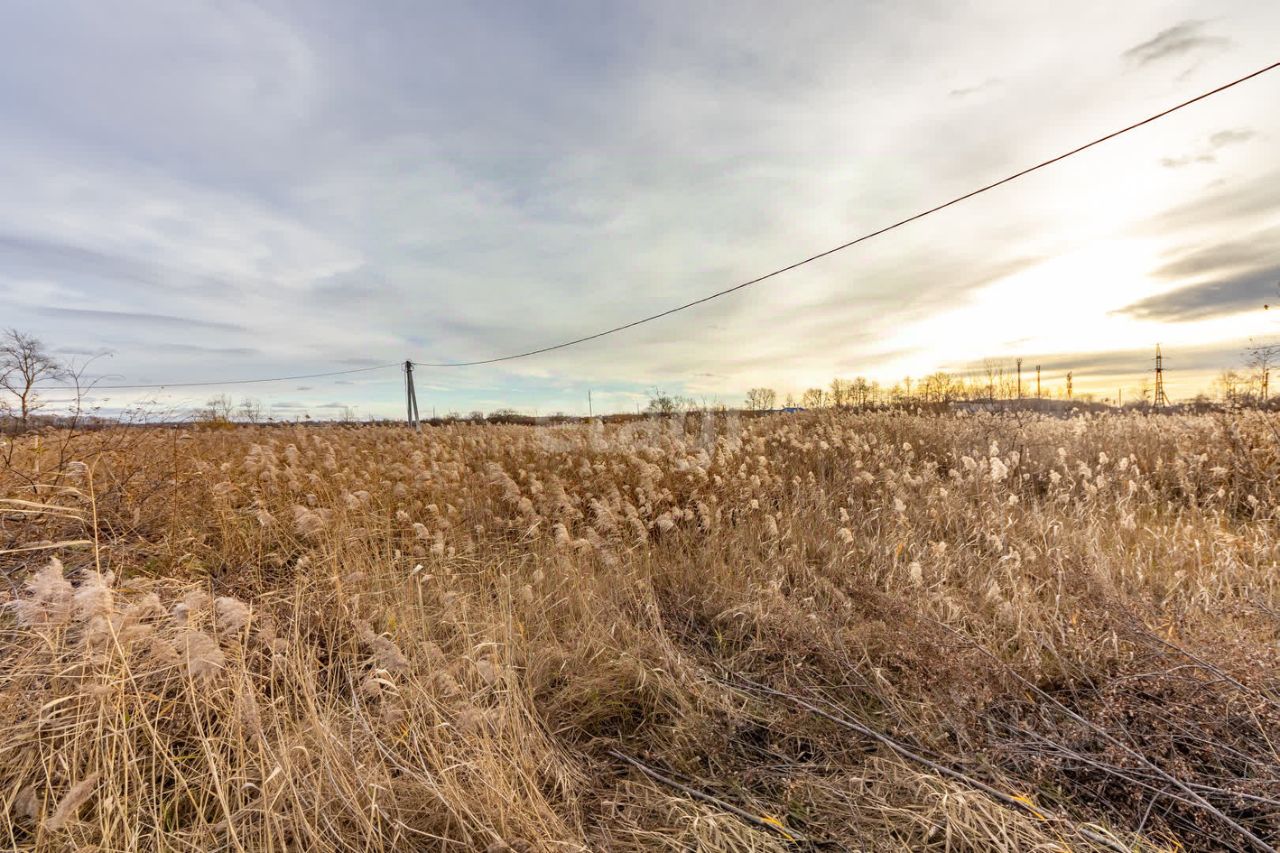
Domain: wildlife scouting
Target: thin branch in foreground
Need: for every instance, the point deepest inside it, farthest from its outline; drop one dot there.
(755, 820)
(1019, 803)
(1181, 785)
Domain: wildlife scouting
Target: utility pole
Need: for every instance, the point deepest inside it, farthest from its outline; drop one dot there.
(590, 412)
(1019, 379)
(410, 396)
(1037, 382)
(1068, 384)
(1161, 400)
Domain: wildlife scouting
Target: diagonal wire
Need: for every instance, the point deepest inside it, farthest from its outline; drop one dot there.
(863, 238)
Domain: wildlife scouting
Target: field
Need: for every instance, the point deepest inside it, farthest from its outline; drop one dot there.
(824, 631)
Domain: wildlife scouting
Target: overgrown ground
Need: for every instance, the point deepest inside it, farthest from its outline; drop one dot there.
(816, 632)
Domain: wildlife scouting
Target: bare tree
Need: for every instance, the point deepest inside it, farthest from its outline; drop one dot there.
(859, 391)
(813, 398)
(1000, 380)
(1261, 358)
(24, 362)
(218, 409)
(1231, 387)
(662, 403)
(901, 392)
(940, 387)
(761, 399)
(994, 372)
(841, 393)
(250, 410)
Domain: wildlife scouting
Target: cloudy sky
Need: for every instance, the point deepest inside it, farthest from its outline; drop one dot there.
(226, 190)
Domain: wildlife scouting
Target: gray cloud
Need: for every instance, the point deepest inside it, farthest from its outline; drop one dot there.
(912, 289)
(1178, 40)
(364, 288)
(1216, 142)
(196, 349)
(22, 251)
(1209, 299)
(1258, 249)
(1231, 136)
(1179, 162)
(1121, 363)
(1228, 206)
(966, 91)
(100, 351)
(138, 317)
(62, 260)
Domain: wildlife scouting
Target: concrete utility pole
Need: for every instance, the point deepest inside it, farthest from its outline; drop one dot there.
(1037, 382)
(410, 396)
(590, 411)
(1019, 379)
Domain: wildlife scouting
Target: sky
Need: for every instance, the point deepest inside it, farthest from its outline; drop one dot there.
(226, 190)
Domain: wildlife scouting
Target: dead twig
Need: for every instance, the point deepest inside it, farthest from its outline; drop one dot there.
(1022, 804)
(1182, 786)
(755, 820)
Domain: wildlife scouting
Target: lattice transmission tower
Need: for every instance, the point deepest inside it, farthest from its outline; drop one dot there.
(1161, 399)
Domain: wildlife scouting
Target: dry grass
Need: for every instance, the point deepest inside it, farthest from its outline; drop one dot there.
(829, 631)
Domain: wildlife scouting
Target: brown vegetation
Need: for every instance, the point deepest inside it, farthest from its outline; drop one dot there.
(821, 631)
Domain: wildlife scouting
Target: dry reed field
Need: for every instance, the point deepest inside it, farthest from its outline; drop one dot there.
(823, 631)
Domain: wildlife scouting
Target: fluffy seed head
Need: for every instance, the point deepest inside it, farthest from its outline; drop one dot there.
(49, 601)
(233, 614)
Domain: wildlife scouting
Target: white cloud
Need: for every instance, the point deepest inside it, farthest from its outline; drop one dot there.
(445, 184)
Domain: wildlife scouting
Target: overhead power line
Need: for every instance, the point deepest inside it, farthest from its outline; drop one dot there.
(857, 240)
(90, 386)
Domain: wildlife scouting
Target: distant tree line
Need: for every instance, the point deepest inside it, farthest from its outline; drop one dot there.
(994, 382)
(28, 367)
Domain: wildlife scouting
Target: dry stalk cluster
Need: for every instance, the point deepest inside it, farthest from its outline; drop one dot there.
(833, 630)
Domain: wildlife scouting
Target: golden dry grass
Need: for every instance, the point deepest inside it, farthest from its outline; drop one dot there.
(828, 631)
